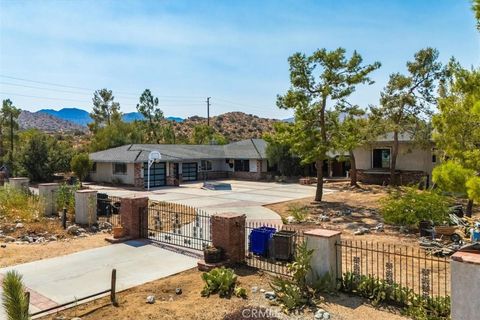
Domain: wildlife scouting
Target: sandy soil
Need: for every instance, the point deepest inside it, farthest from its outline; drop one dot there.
(190, 304)
(14, 254)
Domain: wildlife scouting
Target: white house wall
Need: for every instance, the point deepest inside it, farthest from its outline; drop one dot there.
(104, 173)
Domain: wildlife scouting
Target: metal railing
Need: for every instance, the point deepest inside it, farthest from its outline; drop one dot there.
(272, 261)
(108, 209)
(177, 224)
(412, 270)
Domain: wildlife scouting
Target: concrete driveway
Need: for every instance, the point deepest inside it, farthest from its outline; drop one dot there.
(63, 279)
(247, 197)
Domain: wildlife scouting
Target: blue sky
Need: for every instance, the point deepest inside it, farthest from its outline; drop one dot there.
(234, 51)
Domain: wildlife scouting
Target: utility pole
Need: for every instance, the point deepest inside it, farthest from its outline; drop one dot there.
(208, 111)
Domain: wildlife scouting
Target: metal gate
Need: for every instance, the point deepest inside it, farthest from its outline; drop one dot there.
(158, 175)
(177, 225)
(190, 171)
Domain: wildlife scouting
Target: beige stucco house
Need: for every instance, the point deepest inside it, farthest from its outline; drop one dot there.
(414, 163)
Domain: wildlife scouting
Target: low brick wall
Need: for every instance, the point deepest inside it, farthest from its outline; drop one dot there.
(383, 177)
(247, 175)
(212, 175)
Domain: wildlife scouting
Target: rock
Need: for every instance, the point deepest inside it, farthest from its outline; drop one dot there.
(3, 245)
(326, 315)
(337, 220)
(40, 240)
(73, 230)
(60, 318)
(28, 239)
(81, 230)
(52, 238)
(76, 318)
(361, 231)
(105, 225)
(403, 229)
(262, 290)
(319, 314)
(270, 295)
(346, 212)
(83, 235)
(291, 219)
(178, 291)
(151, 299)
(324, 218)
(19, 226)
(254, 289)
(379, 227)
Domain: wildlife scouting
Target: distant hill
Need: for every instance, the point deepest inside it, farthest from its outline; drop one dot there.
(82, 117)
(48, 123)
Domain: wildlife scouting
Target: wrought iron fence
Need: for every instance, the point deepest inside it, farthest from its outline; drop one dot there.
(279, 249)
(108, 209)
(412, 271)
(177, 224)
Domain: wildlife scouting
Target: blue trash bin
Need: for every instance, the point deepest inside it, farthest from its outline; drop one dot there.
(259, 240)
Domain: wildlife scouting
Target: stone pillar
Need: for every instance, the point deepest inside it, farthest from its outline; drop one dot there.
(86, 207)
(19, 183)
(465, 280)
(48, 195)
(134, 216)
(228, 233)
(324, 259)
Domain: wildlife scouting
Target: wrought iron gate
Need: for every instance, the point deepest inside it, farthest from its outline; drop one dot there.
(177, 225)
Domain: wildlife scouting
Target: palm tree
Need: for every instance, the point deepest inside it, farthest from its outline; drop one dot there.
(15, 302)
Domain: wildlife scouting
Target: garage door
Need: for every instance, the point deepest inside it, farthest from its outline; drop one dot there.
(189, 171)
(158, 175)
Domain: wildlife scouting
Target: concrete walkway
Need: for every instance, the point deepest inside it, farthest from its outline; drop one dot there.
(63, 279)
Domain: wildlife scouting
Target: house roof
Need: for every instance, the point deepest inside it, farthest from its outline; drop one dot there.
(245, 149)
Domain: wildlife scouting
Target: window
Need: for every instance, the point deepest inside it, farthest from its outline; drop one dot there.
(119, 168)
(242, 165)
(94, 167)
(434, 155)
(206, 165)
(381, 158)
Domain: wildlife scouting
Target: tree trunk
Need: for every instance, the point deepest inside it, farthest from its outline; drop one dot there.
(393, 159)
(319, 192)
(468, 213)
(353, 170)
(11, 146)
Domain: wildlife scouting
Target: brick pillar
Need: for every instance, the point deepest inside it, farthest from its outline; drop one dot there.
(86, 206)
(465, 277)
(228, 233)
(324, 259)
(133, 212)
(48, 194)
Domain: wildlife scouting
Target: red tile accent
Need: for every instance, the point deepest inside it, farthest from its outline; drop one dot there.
(467, 257)
(323, 233)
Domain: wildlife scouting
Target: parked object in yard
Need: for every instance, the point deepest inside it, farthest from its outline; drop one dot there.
(283, 245)
(259, 240)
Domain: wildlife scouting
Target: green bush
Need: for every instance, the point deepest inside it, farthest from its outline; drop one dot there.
(381, 291)
(409, 206)
(66, 197)
(18, 204)
(222, 281)
(298, 212)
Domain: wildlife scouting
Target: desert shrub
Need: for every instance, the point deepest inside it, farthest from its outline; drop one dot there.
(15, 302)
(222, 281)
(298, 212)
(18, 204)
(294, 293)
(409, 206)
(66, 197)
(380, 291)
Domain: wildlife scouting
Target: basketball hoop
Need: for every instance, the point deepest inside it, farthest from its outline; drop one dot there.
(153, 156)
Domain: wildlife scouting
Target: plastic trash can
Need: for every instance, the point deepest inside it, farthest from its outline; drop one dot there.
(259, 240)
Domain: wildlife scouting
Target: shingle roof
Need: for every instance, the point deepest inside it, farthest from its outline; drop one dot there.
(245, 149)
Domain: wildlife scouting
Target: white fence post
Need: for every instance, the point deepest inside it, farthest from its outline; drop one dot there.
(48, 195)
(86, 207)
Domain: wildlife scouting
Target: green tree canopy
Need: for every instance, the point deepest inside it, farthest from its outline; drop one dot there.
(8, 128)
(81, 165)
(457, 132)
(408, 99)
(148, 107)
(105, 109)
(280, 154)
(34, 158)
(319, 83)
(203, 134)
(117, 134)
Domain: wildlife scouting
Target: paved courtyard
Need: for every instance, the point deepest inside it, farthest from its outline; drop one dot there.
(54, 281)
(246, 197)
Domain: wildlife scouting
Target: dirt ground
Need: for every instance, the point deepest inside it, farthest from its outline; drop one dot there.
(14, 253)
(190, 304)
(348, 210)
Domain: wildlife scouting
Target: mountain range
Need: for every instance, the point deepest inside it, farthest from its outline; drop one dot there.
(82, 117)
